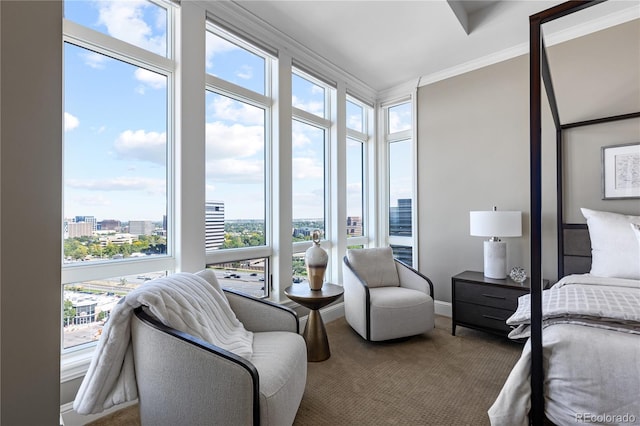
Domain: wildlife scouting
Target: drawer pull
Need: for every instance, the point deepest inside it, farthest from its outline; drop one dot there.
(494, 297)
(494, 318)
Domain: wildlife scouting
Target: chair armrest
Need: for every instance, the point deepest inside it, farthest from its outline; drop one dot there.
(262, 315)
(411, 278)
(169, 362)
(356, 299)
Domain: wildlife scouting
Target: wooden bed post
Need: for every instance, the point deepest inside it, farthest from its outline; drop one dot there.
(536, 416)
(538, 72)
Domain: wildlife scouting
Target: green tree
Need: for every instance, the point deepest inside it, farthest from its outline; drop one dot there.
(69, 312)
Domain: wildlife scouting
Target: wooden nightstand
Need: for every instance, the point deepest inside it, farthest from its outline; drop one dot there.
(485, 303)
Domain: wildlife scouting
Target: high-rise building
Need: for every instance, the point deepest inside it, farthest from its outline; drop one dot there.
(88, 219)
(141, 227)
(74, 230)
(214, 224)
(110, 225)
(400, 218)
(354, 226)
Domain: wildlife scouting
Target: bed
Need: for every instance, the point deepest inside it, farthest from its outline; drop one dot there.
(591, 335)
(581, 362)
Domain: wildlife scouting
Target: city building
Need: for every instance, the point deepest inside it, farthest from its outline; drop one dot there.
(74, 230)
(354, 226)
(400, 218)
(110, 225)
(214, 224)
(141, 227)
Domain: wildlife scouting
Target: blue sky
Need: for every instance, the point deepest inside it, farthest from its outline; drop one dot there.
(116, 127)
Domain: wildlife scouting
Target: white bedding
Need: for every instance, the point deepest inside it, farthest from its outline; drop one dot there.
(592, 373)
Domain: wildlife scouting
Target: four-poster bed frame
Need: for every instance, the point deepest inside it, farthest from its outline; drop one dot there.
(573, 239)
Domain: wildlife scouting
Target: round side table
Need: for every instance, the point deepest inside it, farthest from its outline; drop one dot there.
(315, 335)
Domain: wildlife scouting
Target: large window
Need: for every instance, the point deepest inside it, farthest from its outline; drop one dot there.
(117, 157)
(399, 142)
(309, 152)
(311, 102)
(237, 166)
(357, 139)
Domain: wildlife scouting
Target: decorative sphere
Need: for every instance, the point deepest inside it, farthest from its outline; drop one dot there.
(518, 274)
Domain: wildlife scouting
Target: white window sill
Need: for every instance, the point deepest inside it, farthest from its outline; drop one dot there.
(74, 364)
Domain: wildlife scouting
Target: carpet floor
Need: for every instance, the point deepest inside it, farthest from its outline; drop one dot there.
(432, 379)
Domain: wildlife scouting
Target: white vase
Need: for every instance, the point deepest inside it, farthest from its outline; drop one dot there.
(316, 259)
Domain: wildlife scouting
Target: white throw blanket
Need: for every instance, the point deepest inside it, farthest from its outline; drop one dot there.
(183, 301)
(603, 307)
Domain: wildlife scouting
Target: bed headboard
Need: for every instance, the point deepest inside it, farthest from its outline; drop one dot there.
(575, 250)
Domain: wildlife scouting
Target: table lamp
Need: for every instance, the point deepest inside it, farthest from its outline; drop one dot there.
(495, 224)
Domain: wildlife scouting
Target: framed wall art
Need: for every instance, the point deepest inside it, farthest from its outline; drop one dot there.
(621, 171)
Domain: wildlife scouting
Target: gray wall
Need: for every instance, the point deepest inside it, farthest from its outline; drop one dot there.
(473, 153)
(30, 211)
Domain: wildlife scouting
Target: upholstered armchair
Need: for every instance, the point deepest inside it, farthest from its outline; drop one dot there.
(184, 380)
(383, 297)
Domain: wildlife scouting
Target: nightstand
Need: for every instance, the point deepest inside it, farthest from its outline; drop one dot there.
(485, 303)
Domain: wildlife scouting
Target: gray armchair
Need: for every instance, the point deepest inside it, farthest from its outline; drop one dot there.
(184, 380)
(383, 297)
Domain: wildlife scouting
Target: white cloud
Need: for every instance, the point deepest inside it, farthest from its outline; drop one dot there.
(245, 72)
(216, 45)
(125, 20)
(227, 109)
(300, 139)
(94, 60)
(233, 141)
(70, 122)
(152, 186)
(235, 171)
(313, 107)
(399, 120)
(150, 78)
(307, 168)
(141, 145)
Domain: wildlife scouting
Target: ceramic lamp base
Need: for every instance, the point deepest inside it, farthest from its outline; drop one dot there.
(495, 259)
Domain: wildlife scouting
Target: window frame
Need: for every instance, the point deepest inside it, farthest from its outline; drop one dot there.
(387, 139)
(325, 124)
(241, 94)
(75, 360)
(365, 138)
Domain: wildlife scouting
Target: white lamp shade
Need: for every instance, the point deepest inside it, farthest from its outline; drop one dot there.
(495, 223)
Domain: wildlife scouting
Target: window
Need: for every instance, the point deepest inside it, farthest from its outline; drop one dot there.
(231, 60)
(235, 172)
(399, 141)
(245, 275)
(237, 164)
(117, 162)
(308, 180)
(357, 139)
(311, 99)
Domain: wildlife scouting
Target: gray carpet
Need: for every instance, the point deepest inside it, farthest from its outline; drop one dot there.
(433, 379)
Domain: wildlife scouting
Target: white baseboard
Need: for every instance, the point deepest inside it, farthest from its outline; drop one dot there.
(443, 308)
(69, 417)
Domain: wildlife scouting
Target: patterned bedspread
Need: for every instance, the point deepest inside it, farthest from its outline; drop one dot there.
(591, 355)
(593, 306)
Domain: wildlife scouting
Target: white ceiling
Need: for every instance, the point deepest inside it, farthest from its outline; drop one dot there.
(389, 43)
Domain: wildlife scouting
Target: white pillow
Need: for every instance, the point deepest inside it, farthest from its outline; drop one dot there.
(614, 248)
(210, 276)
(375, 266)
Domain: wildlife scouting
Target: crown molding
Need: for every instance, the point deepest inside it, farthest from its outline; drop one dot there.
(576, 31)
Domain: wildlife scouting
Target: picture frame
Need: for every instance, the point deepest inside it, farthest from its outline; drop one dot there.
(621, 171)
